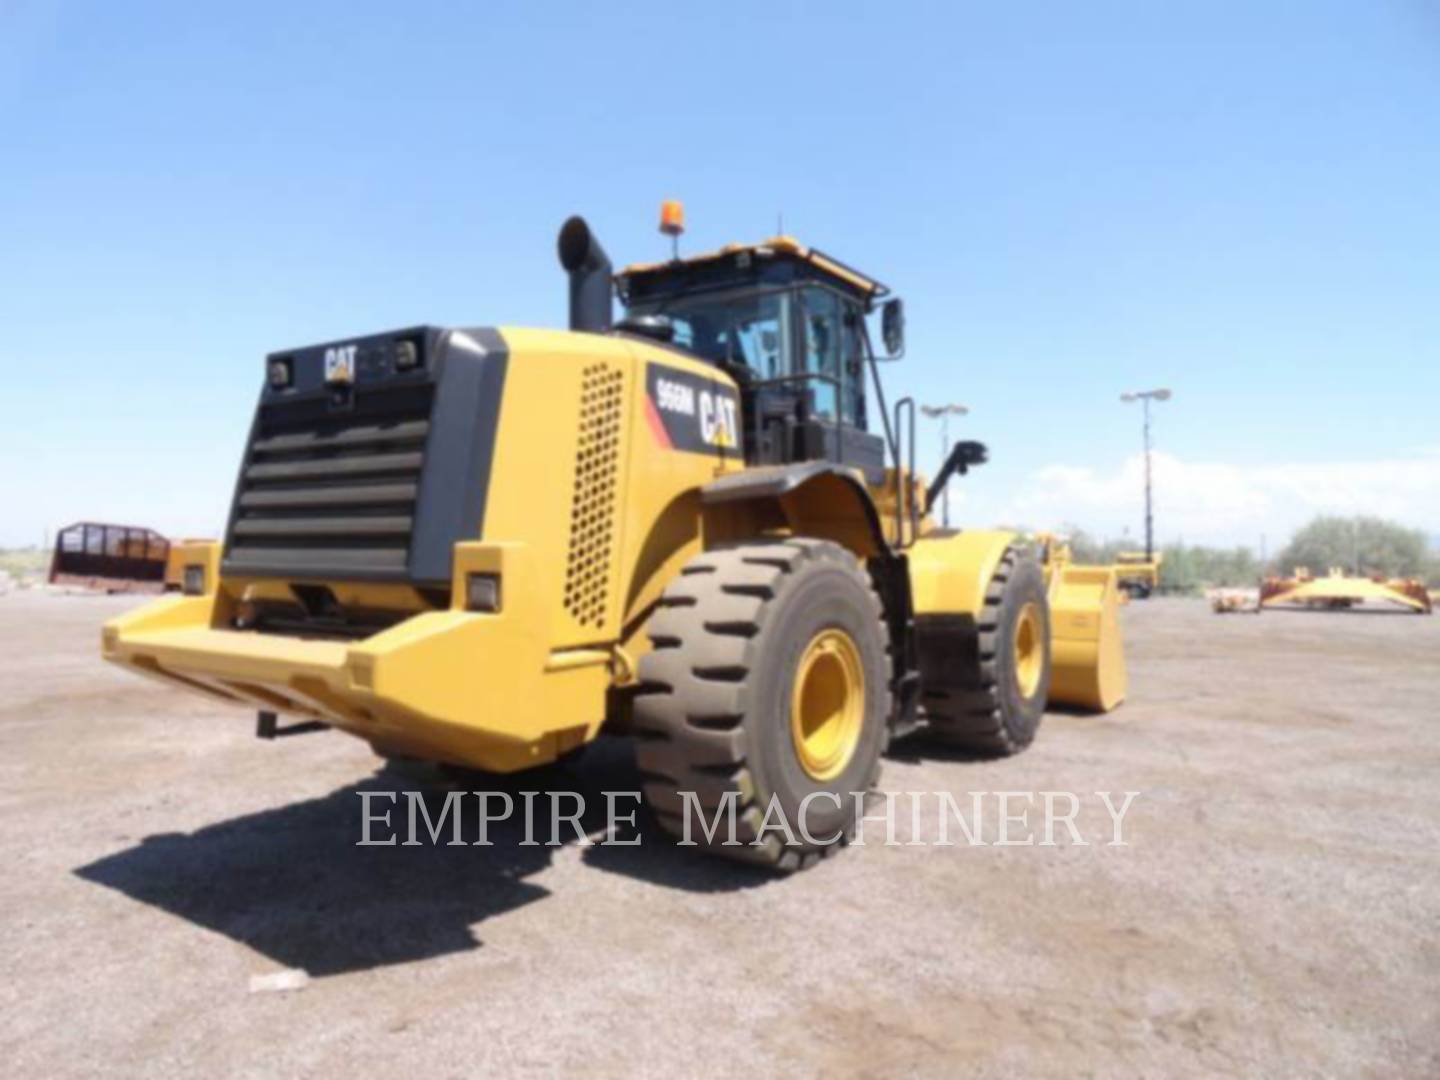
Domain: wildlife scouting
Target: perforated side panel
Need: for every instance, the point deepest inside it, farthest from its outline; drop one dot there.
(592, 515)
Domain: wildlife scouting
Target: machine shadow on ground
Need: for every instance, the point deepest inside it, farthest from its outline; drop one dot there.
(292, 884)
(919, 747)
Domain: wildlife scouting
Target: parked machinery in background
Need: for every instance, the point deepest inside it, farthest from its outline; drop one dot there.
(1338, 590)
(1138, 574)
(114, 558)
(1230, 601)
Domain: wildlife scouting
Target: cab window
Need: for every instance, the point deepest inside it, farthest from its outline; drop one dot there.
(740, 329)
(832, 347)
(852, 360)
(822, 331)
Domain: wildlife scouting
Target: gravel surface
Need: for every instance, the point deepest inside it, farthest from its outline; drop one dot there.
(181, 898)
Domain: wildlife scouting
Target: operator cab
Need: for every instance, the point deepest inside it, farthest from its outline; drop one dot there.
(787, 323)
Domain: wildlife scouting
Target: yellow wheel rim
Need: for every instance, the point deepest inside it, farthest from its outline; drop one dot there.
(827, 704)
(1029, 651)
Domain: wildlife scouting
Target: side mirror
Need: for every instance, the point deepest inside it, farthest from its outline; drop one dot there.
(892, 327)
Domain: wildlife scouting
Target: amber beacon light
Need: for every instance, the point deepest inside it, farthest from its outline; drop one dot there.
(672, 217)
(672, 223)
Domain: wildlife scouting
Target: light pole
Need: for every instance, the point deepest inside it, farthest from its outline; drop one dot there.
(943, 413)
(1145, 397)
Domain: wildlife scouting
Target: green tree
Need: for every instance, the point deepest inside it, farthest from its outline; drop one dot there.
(1089, 550)
(1384, 547)
(1084, 548)
(1368, 545)
(1189, 567)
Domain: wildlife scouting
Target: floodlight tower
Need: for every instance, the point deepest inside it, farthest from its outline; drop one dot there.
(943, 414)
(1145, 397)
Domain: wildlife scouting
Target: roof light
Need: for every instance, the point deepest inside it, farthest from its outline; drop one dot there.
(672, 217)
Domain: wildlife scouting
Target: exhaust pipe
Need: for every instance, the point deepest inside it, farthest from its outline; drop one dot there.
(591, 290)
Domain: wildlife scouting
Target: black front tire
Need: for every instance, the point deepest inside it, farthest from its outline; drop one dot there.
(713, 716)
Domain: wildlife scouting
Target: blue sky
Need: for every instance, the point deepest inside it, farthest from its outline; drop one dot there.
(1236, 200)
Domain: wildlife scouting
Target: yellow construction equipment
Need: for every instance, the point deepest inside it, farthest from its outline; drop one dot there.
(1338, 590)
(1087, 650)
(485, 546)
(1138, 574)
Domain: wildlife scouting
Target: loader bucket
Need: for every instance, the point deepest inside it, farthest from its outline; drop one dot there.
(1087, 657)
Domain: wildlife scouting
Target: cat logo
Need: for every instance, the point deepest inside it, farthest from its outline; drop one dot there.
(717, 420)
(340, 364)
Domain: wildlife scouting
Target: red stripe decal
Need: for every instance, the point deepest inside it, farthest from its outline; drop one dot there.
(657, 425)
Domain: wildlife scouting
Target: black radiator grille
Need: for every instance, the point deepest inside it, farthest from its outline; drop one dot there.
(331, 494)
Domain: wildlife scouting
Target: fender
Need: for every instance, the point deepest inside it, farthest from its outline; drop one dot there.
(818, 498)
(949, 571)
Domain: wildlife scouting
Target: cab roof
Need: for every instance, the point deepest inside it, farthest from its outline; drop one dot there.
(734, 264)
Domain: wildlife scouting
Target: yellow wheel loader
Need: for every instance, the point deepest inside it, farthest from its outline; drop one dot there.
(486, 546)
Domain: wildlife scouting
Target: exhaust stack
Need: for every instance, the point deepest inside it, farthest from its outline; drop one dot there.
(591, 289)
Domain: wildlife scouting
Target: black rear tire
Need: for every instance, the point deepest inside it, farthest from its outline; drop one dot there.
(713, 716)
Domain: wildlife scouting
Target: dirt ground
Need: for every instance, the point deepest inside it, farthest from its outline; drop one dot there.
(1274, 911)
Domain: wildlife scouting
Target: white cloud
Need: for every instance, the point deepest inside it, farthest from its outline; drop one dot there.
(1215, 502)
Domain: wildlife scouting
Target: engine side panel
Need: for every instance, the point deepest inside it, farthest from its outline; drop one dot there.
(603, 445)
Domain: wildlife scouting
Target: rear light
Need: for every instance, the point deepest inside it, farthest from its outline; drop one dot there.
(482, 592)
(194, 583)
(280, 373)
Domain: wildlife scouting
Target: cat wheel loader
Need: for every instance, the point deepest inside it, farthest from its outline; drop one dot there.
(485, 546)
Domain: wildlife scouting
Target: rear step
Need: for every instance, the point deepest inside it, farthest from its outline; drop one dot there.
(267, 726)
